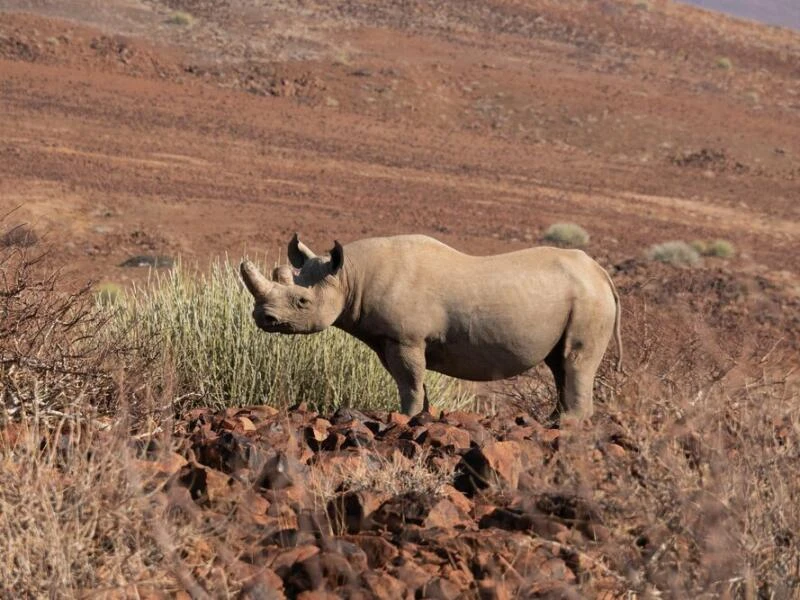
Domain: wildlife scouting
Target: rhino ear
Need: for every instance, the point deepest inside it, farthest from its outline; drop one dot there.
(337, 257)
(298, 252)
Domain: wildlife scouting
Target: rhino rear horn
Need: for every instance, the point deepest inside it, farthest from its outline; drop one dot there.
(298, 252)
(258, 285)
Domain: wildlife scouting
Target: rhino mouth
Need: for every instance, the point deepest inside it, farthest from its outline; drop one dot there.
(271, 323)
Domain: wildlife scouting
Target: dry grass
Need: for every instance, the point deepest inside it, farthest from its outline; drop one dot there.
(699, 501)
(203, 327)
(676, 252)
(567, 234)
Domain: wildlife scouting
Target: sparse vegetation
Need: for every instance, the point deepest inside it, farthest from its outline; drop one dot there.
(720, 249)
(716, 248)
(724, 63)
(21, 236)
(108, 293)
(567, 234)
(180, 18)
(205, 330)
(675, 253)
(700, 246)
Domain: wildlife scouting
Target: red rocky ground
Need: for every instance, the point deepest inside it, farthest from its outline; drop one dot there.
(340, 507)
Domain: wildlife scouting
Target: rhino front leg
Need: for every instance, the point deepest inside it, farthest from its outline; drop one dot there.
(407, 366)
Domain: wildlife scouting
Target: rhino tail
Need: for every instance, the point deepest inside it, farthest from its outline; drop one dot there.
(617, 319)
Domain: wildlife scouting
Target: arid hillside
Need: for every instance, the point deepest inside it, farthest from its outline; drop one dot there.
(133, 128)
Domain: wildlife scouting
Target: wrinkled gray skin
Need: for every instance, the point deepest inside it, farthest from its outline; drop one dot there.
(420, 304)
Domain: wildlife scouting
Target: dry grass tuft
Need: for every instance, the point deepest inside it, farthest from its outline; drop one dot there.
(676, 252)
(203, 326)
(567, 234)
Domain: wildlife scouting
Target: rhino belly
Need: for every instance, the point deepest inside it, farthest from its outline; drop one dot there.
(485, 362)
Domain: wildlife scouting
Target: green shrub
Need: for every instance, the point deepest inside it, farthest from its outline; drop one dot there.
(723, 62)
(717, 248)
(107, 293)
(701, 246)
(720, 249)
(180, 18)
(567, 234)
(675, 253)
(203, 326)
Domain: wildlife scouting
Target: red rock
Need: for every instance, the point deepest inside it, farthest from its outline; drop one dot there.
(252, 508)
(317, 595)
(615, 450)
(279, 471)
(481, 510)
(245, 424)
(457, 498)
(154, 474)
(462, 418)
(550, 436)
(399, 512)
(288, 557)
(442, 435)
(284, 513)
(441, 589)
(492, 589)
(327, 570)
(385, 587)
(257, 581)
(447, 515)
(398, 419)
(333, 442)
(409, 448)
(351, 512)
(461, 575)
(497, 462)
(378, 550)
(412, 575)
(522, 433)
(261, 412)
(556, 569)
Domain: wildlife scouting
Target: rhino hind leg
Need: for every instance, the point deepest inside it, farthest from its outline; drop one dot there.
(574, 363)
(407, 366)
(555, 361)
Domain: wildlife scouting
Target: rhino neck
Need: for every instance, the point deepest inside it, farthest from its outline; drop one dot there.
(352, 291)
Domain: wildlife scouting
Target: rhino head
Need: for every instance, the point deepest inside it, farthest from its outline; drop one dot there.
(305, 299)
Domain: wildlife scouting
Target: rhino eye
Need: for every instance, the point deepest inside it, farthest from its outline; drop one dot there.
(302, 301)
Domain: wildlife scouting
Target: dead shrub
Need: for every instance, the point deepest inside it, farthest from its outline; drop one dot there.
(51, 356)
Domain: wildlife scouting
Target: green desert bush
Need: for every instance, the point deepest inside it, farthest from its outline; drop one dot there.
(701, 246)
(567, 234)
(180, 18)
(720, 249)
(204, 330)
(724, 63)
(716, 248)
(675, 253)
(107, 293)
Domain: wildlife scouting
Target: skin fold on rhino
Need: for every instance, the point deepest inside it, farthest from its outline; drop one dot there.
(420, 304)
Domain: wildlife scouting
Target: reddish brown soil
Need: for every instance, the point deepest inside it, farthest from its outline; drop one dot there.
(478, 127)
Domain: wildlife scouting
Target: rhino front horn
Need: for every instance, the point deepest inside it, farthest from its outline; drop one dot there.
(258, 285)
